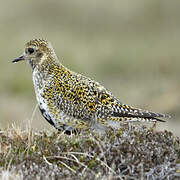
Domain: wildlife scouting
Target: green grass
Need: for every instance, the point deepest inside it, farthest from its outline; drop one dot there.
(130, 152)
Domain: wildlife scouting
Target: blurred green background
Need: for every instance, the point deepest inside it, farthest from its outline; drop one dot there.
(131, 47)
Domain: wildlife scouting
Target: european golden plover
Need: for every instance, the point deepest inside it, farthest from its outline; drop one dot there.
(69, 100)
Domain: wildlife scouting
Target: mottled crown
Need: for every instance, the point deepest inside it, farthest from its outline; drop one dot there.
(38, 42)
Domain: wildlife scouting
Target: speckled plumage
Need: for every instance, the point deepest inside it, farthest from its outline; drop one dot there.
(67, 99)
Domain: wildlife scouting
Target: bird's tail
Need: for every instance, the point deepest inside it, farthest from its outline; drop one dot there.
(135, 114)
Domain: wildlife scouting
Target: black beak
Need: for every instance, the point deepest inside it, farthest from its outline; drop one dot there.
(20, 58)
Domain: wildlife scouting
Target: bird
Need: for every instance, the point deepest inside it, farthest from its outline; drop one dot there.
(70, 101)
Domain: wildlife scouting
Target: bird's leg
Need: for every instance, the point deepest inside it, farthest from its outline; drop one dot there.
(70, 130)
(66, 129)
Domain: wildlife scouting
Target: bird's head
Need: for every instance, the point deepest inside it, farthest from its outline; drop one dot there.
(36, 52)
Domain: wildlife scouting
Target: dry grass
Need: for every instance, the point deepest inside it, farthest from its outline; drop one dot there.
(130, 152)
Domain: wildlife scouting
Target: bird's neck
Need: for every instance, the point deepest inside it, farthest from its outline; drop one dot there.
(49, 68)
(44, 71)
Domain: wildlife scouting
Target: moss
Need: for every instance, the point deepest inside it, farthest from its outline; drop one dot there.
(131, 152)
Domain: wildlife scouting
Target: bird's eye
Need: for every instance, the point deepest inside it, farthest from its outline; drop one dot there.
(30, 50)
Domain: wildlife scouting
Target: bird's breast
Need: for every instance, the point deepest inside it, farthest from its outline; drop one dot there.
(38, 88)
(37, 80)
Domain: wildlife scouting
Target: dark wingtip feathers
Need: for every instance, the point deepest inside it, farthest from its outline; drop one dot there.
(131, 112)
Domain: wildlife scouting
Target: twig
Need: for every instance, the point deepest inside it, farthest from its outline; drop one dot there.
(85, 154)
(68, 167)
(76, 160)
(44, 157)
(33, 114)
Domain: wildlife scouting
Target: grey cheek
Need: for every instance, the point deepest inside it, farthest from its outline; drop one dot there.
(39, 55)
(30, 62)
